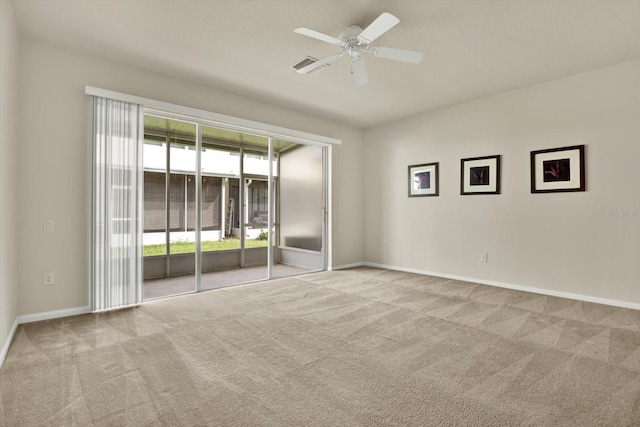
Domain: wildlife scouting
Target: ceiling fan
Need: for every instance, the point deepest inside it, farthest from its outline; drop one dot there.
(355, 41)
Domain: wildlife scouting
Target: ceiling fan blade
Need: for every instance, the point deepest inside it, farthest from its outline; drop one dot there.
(316, 35)
(397, 54)
(359, 71)
(317, 64)
(381, 25)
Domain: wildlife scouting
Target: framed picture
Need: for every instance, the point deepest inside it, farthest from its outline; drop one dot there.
(480, 175)
(558, 169)
(423, 180)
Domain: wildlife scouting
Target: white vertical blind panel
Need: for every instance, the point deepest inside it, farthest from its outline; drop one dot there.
(117, 204)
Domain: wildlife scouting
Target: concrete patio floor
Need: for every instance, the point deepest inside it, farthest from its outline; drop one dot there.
(157, 288)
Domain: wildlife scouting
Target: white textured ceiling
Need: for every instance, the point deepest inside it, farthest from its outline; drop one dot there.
(472, 48)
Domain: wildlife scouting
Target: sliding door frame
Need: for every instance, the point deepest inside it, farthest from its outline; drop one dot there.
(272, 203)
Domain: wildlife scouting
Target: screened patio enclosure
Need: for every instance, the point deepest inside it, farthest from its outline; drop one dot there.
(224, 207)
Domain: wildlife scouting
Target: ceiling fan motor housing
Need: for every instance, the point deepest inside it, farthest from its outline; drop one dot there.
(350, 37)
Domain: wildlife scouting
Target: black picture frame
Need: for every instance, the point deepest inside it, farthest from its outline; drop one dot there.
(480, 175)
(557, 170)
(424, 180)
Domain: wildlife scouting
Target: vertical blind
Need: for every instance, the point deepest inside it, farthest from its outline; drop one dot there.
(117, 204)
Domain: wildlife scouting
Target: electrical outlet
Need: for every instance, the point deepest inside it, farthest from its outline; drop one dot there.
(49, 226)
(484, 257)
(49, 279)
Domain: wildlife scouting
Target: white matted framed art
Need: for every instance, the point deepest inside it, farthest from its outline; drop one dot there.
(558, 170)
(423, 180)
(480, 175)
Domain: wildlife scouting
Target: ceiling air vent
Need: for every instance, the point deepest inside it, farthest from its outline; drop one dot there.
(307, 60)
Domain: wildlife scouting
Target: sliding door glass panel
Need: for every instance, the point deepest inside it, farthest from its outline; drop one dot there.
(232, 251)
(182, 203)
(301, 209)
(220, 162)
(255, 197)
(169, 161)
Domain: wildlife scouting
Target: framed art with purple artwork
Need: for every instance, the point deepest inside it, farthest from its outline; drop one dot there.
(423, 180)
(558, 170)
(480, 175)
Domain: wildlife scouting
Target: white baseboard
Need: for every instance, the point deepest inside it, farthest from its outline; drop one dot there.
(28, 318)
(345, 266)
(578, 297)
(36, 317)
(5, 347)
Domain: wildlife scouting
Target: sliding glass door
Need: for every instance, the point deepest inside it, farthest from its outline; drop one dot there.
(223, 207)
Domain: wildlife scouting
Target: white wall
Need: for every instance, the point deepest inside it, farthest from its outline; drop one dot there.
(8, 172)
(562, 241)
(55, 163)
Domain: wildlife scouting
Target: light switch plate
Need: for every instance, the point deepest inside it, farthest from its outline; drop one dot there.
(49, 226)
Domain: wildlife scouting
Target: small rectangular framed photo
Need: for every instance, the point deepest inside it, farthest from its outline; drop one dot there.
(480, 175)
(558, 170)
(423, 180)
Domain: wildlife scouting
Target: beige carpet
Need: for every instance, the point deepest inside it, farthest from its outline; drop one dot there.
(360, 347)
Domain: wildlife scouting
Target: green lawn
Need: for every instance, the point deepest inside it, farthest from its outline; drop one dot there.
(190, 247)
